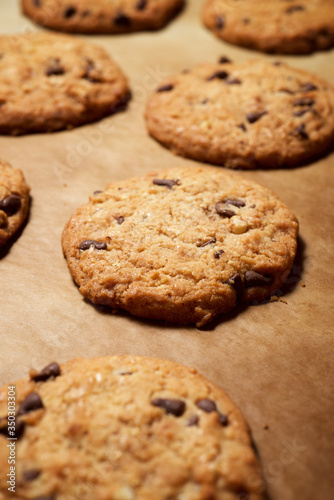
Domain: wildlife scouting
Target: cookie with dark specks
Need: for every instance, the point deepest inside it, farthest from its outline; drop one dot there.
(14, 201)
(102, 16)
(276, 26)
(50, 82)
(181, 245)
(124, 428)
(244, 115)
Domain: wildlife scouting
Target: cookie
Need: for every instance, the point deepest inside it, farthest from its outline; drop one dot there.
(14, 201)
(244, 115)
(282, 27)
(51, 82)
(181, 245)
(124, 428)
(102, 16)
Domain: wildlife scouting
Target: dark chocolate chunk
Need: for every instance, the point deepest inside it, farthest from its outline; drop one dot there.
(54, 68)
(120, 219)
(166, 182)
(300, 131)
(122, 20)
(294, 8)
(235, 202)
(30, 475)
(207, 405)
(236, 282)
(254, 117)
(70, 12)
(252, 278)
(141, 4)
(223, 420)
(308, 86)
(98, 245)
(174, 406)
(209, 242)
(165, 88)
(218, 254)
(222, 210)
(224, 59)
(220, 21)
(304, 101)
(233, 81)
(31, 403)
(50, 371)
(11, 204)
(242, 126)
(193, 421)
(221, 75)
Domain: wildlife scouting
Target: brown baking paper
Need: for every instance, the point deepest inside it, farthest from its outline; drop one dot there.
(275, 359)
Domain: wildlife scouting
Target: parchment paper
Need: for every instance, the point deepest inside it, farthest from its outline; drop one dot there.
(275, 359)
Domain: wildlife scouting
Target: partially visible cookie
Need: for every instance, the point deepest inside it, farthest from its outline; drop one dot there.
(125, 428)
(51, 82)
(276, 26)
(102, 16)
(14, 201)
(181, 245)
(250, 114)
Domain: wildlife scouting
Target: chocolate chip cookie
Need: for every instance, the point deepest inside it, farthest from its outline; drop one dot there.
(181, 245)
(102, 16)
(278, 26)
(124, 428)
(14, 201)
(244, 115)
(51, 82)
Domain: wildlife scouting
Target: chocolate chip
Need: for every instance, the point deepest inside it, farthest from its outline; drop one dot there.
(207, 405)
(254, 117)
(223, 420)
(166, 182)
(165, 88)
(252, 278)
(97, 192)
(18, 432)
(246, 20)
(235, 202)
(98, 245)
(224, 59)
(221, 75)
(277, 63)
(237, 284)
(122, 20)
(54, 68)
(125, 373)
(30, 475)
(141, 4)
(209, 242)
(38, 3)
(70, 12)
(89, 67)
(242, 126)
(294, 8)
(301, 112)
(174, 406)
(194, 420)
(121, 103)
(233, 81)
(222, 210)
(205, 101)
(303, 101)
(300, 131)
(220, 21)
(120, 219)
(11, 204)
(218, 254)
(50, 371)
(31, 403)
(286, 91)
(308, 86)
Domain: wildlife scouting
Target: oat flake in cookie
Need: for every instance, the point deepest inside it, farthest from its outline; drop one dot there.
(102, 16)
(244, 115)
(14, 201)
(181, 245)
(51, 82)
(277, 26)
(124, 428)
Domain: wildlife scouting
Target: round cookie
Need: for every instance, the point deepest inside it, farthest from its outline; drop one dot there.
(14, 201)
(244, 115)
(181, 245)
(276, 26)
(102, 16)
(124, 428)
(51, 82)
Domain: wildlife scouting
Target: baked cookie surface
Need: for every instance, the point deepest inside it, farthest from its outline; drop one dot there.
(14, 201)
(181, 245)
(124, 428)
(277, 26)
(50, 82)
(102, 16)
(244, 115)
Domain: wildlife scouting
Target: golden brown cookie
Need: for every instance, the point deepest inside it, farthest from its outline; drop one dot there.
(181, 245)
(277, 26)
(14, 201)
(51, 82)
(125, 428)
(102, 16)
(244, 115)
